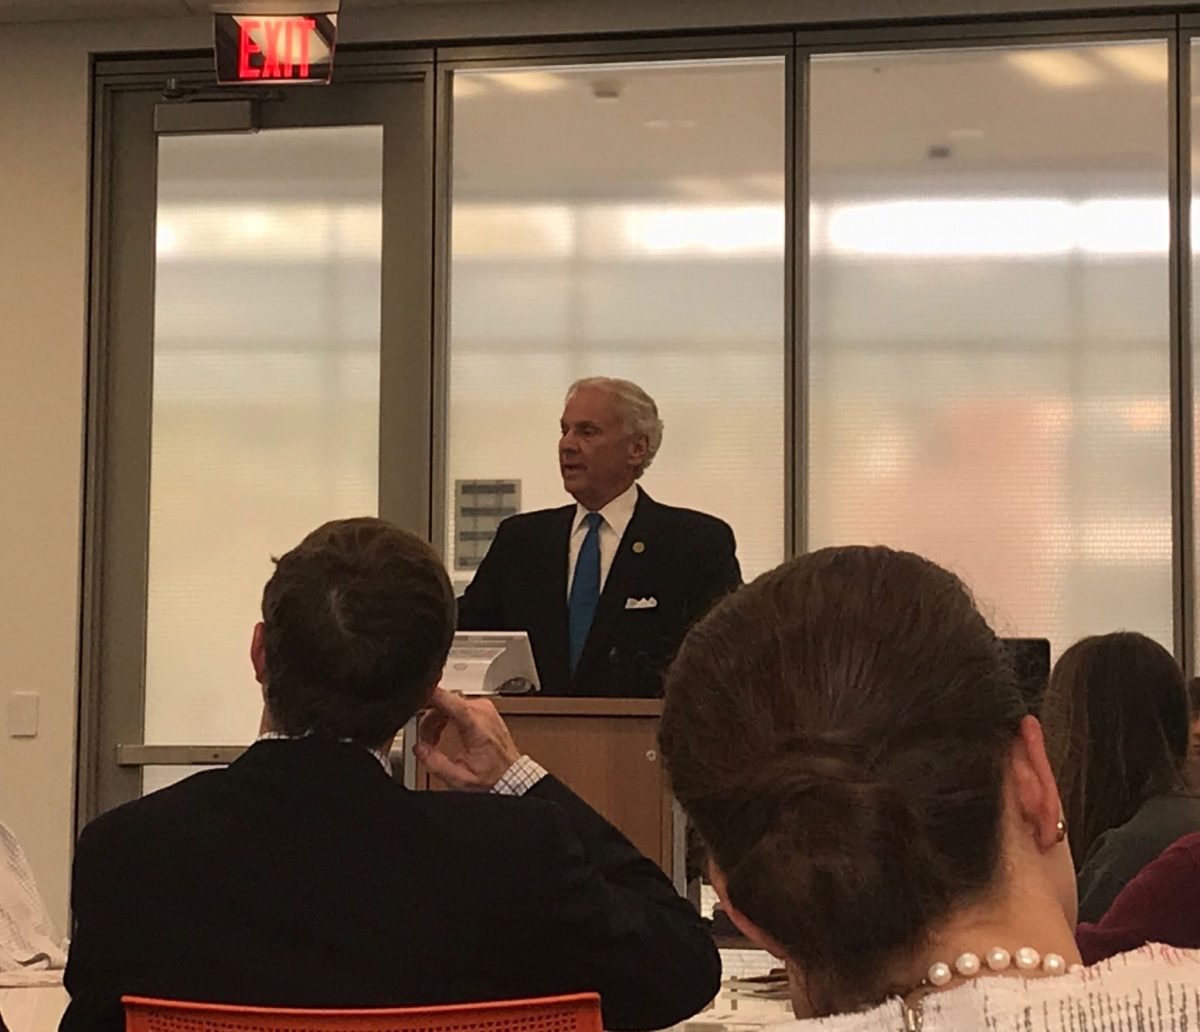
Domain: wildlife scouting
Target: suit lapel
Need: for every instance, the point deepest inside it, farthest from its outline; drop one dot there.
(624, 572)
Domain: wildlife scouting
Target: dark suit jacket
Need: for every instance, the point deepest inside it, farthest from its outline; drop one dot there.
(685, 562)
(302, 875)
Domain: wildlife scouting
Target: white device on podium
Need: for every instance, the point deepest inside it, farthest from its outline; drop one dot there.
(490, 663)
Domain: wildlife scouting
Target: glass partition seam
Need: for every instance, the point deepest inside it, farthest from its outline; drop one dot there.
(87, 745)
(381, 57)
(534, 57)
(120, 293)
(196, 71)
(432, 123)
(980, 32)
(442, 170)
(1013, 36)
(111, 72)
(635, 47)
(1183, 299)
(796, 469)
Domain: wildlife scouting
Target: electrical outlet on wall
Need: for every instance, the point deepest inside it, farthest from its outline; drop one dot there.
(23, 715)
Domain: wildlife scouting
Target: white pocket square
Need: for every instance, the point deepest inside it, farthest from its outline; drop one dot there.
(641, 603)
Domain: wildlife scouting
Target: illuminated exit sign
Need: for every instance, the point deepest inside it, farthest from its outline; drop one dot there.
(260, 48)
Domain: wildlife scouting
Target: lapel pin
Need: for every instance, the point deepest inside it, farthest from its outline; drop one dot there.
(639, 547)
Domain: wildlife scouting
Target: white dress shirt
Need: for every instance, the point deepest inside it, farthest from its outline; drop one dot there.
(614, 518)
(520, 777)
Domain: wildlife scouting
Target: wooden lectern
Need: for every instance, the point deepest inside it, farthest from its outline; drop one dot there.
(606, 750)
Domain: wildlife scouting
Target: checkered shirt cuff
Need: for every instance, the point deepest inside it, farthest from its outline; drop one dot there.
(520, 777)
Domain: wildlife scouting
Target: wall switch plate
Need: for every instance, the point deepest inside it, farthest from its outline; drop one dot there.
(23, 715)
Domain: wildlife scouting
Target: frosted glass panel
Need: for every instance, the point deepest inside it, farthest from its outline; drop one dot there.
(989, 358)
(623, 221)
(266, 396)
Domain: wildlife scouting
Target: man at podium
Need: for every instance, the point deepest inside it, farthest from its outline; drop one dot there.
(607, 587)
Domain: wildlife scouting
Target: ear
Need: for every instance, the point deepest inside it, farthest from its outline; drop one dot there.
(743, 924)
(639, 444)
(258, 656)
(1036, 793)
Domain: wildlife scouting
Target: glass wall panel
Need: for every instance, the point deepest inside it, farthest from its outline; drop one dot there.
(1195, 341)
(623, 221)
(266, 397)
(988, 325)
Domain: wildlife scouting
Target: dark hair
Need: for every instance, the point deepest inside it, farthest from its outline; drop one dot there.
(358, 620)
(1193, 689)
(1116, 714)
(838, 730)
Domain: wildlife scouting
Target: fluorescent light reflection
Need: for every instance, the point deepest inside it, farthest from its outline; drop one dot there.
(979, 227)
(713, 229)
(942, 227)
(468, 86)
(990, 227)
(291, 232)
(526, 81)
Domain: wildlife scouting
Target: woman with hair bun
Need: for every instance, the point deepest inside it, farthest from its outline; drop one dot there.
(849, 737)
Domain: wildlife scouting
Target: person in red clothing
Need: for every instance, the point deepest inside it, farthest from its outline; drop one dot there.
(1161, 904)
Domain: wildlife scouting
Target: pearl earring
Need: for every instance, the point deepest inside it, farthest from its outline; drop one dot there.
(1061, 828)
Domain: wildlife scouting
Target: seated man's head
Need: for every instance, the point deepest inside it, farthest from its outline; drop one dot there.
(357, 622)
(851, 740)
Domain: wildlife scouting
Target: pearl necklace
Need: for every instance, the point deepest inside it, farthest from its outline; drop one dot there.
(968, 965)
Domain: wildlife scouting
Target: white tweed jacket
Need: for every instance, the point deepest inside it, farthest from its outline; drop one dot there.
(28, 943)
(1152, 989)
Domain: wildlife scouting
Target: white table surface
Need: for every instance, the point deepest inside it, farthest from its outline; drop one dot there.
(731, 1012)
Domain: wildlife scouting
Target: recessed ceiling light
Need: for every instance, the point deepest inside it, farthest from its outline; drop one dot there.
(527, 82)
(1060, 68)
(670, 123)
(1146, 62)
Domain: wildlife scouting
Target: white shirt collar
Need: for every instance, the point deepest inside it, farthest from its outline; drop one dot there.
(616, 513)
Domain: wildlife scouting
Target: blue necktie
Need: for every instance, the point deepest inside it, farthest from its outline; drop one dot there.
(585, 587)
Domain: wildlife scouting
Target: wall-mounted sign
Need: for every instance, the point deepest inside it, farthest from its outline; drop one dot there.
(273, 49)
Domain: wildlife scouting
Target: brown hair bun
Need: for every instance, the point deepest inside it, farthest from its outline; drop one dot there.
(837, 730)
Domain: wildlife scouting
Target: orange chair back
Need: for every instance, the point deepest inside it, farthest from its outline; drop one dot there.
(576, 1013)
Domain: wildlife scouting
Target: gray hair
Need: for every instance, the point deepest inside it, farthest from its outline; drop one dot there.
(637, 410)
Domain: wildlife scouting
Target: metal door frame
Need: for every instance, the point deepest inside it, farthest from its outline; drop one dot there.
(120, 355)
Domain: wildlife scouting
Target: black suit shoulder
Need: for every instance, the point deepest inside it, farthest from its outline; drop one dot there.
(515, 572)
(703, 548)
(302, 875)
(469, 828)
(702, 524)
